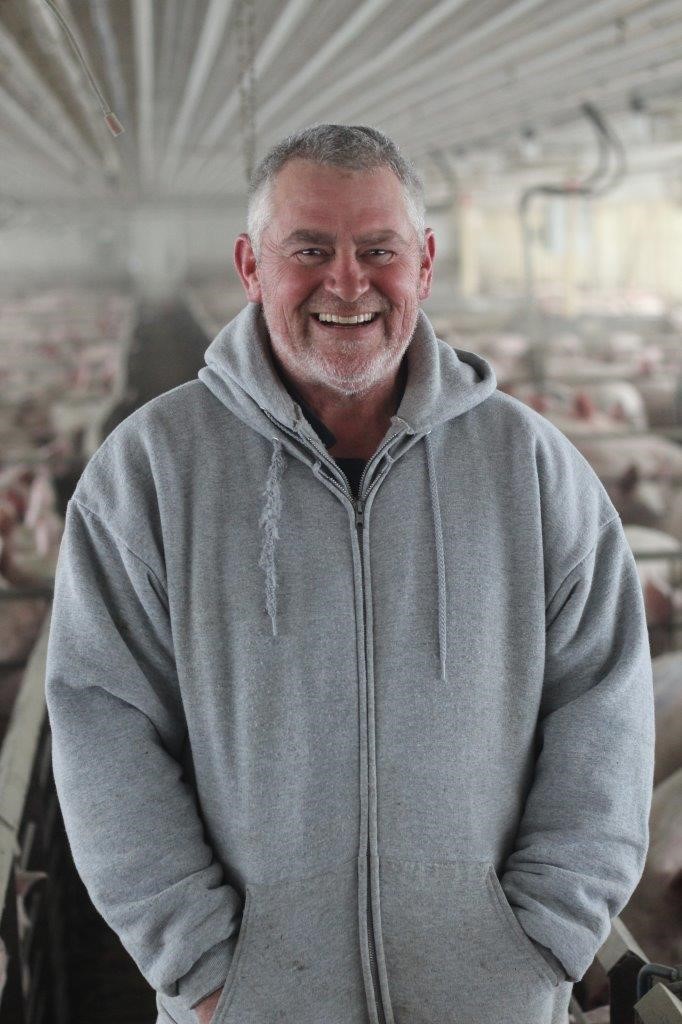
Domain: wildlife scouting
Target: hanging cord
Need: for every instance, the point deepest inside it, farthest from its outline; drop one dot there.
(113, 123)
(246, 53)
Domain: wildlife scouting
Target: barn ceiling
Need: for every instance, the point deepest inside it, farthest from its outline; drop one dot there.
(203, 87)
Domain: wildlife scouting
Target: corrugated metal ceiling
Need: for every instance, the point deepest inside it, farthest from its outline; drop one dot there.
(452, 77)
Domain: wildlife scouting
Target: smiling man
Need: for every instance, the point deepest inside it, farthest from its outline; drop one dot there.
(348, 676)
(342, 266)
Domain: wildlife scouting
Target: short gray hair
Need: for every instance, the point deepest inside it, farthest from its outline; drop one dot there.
(353, 147)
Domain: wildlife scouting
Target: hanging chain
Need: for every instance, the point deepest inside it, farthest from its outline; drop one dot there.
(245, 15)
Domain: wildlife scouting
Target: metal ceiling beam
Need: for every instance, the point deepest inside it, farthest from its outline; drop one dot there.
(369, 69)
(316, 64)
(143, 27)
(209, 43)
(586, 74)
(319, 61)
(169, 48)
(481, 66)
(429, 22)
(37, 134)
(505, 122)
(486, 71)
(273, 43)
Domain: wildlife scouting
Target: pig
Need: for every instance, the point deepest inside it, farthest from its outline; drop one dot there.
(621, 401)
(654, 911)
(667, 671)
(655, 458)
(642, 476)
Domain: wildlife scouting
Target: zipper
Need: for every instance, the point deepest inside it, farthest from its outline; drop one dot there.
(371, 946)
(359, 507)
(372, 949)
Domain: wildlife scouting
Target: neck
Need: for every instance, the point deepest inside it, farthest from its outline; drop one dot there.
(358, 422)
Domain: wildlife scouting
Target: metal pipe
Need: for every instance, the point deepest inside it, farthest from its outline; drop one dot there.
(651, 971)
(72, 62)
(110, 53)
(144, 61)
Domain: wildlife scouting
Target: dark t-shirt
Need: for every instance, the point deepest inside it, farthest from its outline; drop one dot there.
(351, 467)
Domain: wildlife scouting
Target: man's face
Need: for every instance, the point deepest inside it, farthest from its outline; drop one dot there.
(338, 242)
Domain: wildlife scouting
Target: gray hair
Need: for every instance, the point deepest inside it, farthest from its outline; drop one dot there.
(353, 147)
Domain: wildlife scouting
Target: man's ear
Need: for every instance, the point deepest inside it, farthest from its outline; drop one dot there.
(247, 268)
(426, 269)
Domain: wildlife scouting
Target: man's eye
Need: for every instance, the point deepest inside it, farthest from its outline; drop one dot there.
(380, 255)
(310, 255)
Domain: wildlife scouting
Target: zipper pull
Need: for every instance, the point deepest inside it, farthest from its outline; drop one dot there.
(359, 509)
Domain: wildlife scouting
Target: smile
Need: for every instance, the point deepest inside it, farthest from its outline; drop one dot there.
(345, 321)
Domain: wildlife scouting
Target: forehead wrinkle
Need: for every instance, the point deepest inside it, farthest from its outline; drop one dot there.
(323, 238)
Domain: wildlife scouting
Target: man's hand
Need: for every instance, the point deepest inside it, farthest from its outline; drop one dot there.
(204, 1009)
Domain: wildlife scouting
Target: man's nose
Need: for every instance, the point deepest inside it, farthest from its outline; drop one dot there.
(346, 278)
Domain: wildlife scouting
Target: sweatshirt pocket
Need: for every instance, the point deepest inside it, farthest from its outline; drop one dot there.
(298, 958)
(455, 950)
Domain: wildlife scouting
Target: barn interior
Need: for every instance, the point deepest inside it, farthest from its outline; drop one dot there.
(548, 134)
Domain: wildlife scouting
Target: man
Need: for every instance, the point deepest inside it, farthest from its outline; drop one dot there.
(348, 675)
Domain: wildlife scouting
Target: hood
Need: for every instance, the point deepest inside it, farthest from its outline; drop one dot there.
(442, 382)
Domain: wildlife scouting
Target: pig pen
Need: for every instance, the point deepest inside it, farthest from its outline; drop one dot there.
(102, 360)
(589, 413)
(62, 357)
(613, 386)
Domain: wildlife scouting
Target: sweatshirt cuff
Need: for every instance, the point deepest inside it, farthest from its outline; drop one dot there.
(553, 962)
(207, 974)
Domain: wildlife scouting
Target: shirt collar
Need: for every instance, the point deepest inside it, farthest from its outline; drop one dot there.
(323, 432)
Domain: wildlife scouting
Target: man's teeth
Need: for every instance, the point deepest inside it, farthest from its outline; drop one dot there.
(331, 318)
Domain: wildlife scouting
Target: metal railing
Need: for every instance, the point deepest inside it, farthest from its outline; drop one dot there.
(33, 849)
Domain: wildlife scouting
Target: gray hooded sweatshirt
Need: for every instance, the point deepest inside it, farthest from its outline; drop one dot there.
(354, 760)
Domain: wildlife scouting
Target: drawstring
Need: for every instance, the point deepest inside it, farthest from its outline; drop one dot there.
(440, 560)
(269, 520)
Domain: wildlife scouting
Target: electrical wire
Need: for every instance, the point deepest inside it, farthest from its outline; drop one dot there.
(113, 123)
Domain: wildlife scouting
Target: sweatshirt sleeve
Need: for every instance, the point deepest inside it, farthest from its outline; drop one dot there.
(132, 820)
(583, 836)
